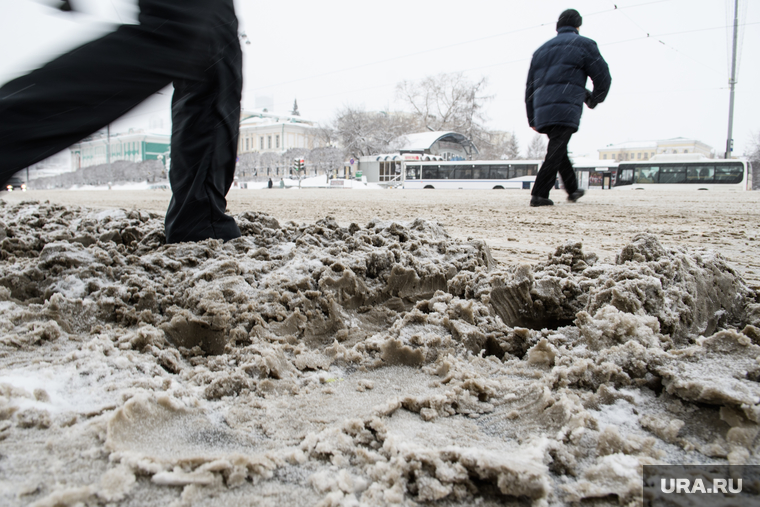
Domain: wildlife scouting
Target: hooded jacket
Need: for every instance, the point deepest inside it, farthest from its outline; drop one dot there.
(556, 89)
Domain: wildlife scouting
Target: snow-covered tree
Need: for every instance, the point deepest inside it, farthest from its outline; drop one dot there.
(512, 149)
(500, 146)
(295, 111)
(364, 133)
(537, 148)
(448, 102)
(753, 154)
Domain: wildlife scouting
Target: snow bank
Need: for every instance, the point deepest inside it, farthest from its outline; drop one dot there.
(383, 364)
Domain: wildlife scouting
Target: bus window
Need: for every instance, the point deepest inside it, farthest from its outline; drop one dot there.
(700, 174)
(626, 177)
(462, 172)
(673, 174)
(480, 172)
(499, 172)
(518, 171)
(430, 172)
(733, 173)
(412, 172)
(647, 174)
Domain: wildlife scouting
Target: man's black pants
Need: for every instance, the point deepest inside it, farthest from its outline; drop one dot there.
(556, 161)
(191, 43)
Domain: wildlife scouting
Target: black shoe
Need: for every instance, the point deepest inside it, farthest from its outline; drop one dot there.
(576, 195)
(540, 201)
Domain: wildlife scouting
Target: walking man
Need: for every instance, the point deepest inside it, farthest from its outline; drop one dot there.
(191, 43)
(554, 98)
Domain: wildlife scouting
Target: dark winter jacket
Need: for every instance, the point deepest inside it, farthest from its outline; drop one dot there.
(556, 87)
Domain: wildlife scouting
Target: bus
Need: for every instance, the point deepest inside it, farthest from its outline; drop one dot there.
(695, 172)
(595, 174)
(471, 175)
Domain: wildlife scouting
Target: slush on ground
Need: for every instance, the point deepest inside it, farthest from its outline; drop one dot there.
(374, 347)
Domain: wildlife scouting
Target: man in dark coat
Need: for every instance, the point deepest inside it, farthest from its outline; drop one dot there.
(554, 98)
(193, 44)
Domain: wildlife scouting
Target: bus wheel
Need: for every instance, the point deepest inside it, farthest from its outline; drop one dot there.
(430, 186)
(498, 187)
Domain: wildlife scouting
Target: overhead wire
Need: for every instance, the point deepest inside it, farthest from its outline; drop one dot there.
(447, 46)
(616, 8)
(508, 62)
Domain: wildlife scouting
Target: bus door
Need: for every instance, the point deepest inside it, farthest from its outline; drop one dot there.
(607, 181)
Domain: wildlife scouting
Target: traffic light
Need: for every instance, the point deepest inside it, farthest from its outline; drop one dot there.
(300, 164)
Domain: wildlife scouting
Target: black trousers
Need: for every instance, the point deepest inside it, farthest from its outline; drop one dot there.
(191, 43)
(556, 161)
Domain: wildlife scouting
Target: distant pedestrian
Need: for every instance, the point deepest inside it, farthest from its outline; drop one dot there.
(193, 44)
(270, 184)
(554, 98)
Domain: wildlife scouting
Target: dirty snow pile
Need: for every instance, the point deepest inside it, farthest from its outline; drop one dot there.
(377, 364)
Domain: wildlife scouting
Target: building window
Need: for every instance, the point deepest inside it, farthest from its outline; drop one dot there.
(261, 143)
(638, 156)
(604, 157)
(269, 142)
(277, 141)
(246, 144)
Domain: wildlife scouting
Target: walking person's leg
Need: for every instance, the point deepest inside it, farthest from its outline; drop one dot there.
(206, 121)
(556, 155)
(564, 165)
(84, 90)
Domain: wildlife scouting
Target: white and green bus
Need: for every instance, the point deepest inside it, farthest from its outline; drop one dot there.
(678, 172)
(471, 175)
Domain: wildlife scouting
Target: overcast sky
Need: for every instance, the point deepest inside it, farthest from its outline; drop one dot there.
(669, 59)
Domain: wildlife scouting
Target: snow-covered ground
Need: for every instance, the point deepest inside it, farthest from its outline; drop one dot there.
(374, 348)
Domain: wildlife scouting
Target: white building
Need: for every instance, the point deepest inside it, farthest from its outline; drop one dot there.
(644, 150)
(263, 132)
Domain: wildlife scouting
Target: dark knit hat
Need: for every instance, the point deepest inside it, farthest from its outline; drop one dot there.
(570, 17)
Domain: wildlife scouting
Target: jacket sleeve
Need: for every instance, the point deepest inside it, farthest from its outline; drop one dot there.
(596, 68)
(529, 90)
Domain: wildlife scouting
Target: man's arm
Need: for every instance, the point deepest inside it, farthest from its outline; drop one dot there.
(529, 91)
(596, 68)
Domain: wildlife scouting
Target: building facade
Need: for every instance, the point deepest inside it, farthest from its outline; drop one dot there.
(644, 150)
(265, 132)
(133, 146)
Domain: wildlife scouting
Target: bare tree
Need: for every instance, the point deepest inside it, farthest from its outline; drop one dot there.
(512, 149)
(537, 148)
(500, 146)
(119, 172)
(326, 160)
(448, 102)
(367, 133)
(248, 165)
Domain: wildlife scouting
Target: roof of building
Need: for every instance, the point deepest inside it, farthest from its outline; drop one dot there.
(639, 145)
(425, 140)
(631, 145)
(259, 117)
